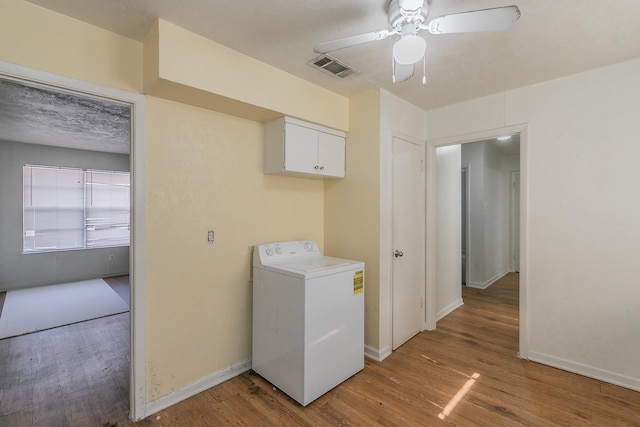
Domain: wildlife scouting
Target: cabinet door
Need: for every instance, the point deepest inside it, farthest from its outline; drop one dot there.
(331, 154)
(300, 149)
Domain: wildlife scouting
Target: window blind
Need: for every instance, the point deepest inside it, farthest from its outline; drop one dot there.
(67, 208)
(107, 208)
(53, 208)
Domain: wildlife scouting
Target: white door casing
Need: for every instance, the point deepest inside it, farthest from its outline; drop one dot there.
(408, 217)
(515, 221)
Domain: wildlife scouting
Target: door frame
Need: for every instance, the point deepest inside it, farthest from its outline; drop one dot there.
(513, 210)
(467, 167)
(432, 144)
(137, 309)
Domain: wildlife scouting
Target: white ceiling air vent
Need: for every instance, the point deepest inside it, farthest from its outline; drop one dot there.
(331, 65)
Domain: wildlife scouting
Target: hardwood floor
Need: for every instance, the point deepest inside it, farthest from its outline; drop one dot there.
(465, 373)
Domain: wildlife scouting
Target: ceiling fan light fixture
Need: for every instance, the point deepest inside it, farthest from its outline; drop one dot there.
(504, 138)
(409, 49)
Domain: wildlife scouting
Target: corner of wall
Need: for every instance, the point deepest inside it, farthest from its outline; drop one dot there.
(151, 58)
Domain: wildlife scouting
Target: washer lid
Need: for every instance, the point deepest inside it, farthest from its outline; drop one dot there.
(314, 266)
(317, 263)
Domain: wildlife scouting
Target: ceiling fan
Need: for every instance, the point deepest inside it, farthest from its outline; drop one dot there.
(408, 17)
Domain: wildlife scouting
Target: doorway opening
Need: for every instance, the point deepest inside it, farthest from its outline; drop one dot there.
(487, 228)
(482, 267)
(51, 121)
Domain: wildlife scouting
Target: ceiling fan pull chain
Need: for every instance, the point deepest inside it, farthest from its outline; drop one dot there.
(393, 70)
(424, 70)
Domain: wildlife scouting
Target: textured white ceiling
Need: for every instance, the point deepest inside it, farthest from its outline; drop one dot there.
(553, 38)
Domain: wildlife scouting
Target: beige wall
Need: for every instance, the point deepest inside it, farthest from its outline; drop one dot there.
(358, 208)
(38, 38)
(352, 204)
(204, 172)
(184, 66)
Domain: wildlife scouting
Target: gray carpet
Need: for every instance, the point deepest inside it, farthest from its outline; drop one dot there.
(36, 309)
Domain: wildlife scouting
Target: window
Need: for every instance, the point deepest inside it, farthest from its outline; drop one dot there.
(65, 208)
(106, 208)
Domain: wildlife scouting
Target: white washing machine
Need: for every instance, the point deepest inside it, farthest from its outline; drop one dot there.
(308, 318)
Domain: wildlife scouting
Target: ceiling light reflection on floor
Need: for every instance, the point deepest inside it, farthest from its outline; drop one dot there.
(459, 396)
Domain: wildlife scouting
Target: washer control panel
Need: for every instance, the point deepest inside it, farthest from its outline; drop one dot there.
(281, 251)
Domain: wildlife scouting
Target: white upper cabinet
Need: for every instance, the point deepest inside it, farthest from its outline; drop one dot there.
(293, 146)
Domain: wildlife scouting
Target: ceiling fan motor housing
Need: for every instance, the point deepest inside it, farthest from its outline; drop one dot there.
(399, 16)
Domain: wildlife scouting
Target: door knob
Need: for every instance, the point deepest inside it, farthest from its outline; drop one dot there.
(397, 253)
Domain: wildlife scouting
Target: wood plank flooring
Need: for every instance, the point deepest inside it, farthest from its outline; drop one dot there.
(465, 373)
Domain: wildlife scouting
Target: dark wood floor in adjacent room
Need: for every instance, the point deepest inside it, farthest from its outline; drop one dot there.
(75, 375)
(466, 373)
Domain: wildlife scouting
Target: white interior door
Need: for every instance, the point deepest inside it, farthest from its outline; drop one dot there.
(408, 240)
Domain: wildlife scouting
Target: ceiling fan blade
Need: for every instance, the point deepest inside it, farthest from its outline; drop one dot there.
(402, 72)
(352, 41)
(495, 19)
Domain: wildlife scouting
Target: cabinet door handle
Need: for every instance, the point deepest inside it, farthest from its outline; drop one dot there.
(321, 168)
(398, 253)
(316, 167)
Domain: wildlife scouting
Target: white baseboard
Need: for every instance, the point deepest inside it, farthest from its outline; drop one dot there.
(375, 354)
(196, 387)
(586, 370)
(489, 282)
(223, 375)
(448, 309)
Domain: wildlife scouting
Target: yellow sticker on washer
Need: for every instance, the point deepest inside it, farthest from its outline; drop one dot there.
(358, 282)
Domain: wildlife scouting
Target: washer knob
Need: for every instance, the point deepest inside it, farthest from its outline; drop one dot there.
(279, 250)
(269, 251)
(308, 246)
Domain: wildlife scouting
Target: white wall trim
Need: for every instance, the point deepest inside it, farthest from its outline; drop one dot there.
(375, 354)
(489, 282)
(514, 177)
(197, 386)
(586, 370)
(137, 380)
(467, 243)
(431, 250)
(448, 309)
